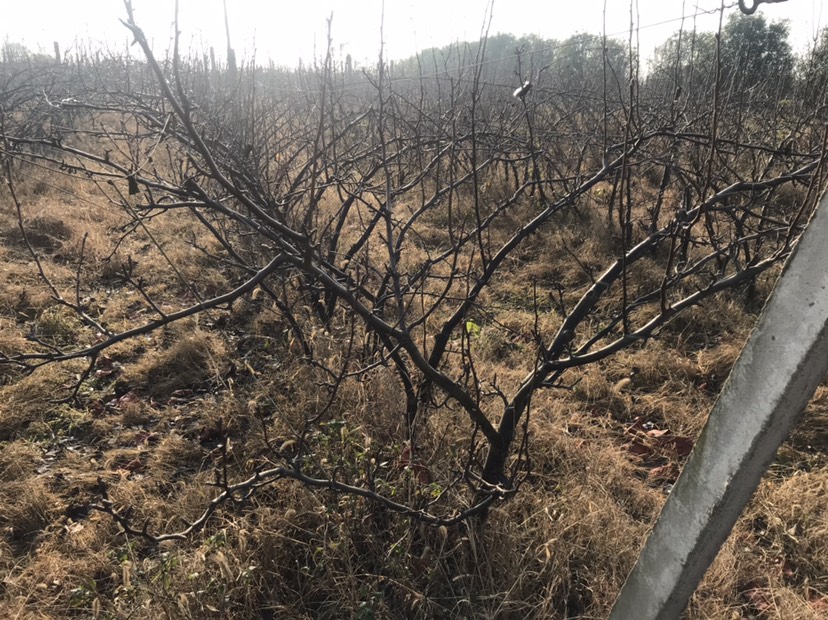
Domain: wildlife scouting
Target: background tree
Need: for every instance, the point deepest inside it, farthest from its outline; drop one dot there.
(756, 57)
(812, 74)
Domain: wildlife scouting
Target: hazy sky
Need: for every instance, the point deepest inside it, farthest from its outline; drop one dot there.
(286, 31)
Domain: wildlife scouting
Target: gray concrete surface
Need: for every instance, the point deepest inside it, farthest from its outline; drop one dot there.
(778, 371)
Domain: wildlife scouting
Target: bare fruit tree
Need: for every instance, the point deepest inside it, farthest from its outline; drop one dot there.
(379, 216)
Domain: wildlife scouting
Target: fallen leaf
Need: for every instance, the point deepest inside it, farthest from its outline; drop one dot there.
(73, 528)
(682, 445)
(639, 449)
(664, 473)
(126, 399)
(758, 599)
(819, 602)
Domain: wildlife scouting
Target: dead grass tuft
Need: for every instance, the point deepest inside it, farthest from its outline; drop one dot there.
(32, 398)
(27, 507)
(189, 362)
(21, 301)
(58, 325)
(175, 456)
(17, 460)
(795, 514)
(44, 232)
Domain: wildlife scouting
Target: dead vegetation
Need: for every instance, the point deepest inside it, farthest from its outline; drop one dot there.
(161, 415)
(157, 354)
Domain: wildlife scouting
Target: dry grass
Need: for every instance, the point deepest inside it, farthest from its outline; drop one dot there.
(152, 419)
(189, 361)
(30, 402)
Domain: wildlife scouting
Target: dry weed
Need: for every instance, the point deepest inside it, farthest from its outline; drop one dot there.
(189, 362)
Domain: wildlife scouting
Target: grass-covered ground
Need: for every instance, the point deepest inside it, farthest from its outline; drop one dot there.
(160, 414)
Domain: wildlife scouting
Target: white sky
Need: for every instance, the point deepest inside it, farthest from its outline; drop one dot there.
(285, 31)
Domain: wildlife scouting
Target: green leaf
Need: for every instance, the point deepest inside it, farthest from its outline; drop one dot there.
(472, 328)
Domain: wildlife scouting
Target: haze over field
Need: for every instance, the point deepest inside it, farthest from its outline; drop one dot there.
(284, 33)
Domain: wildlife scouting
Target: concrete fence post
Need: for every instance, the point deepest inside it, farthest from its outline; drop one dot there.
(775, 376)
